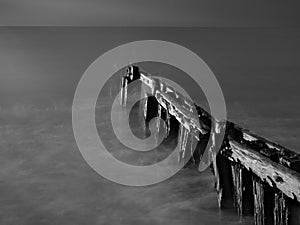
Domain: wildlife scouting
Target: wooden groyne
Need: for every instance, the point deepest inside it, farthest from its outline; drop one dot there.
(253, 175)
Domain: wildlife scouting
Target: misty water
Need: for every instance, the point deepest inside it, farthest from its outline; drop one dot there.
(43, 176)
(45, 180)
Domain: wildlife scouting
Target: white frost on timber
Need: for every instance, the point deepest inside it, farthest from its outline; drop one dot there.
(286, 180)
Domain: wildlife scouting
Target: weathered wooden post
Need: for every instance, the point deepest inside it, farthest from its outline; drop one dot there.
(151, 110)
(123, 96)
(224, 181)
(259, 194)
(254, 175)
(222, 169)
(164, 115)
(192, 147)
(281, 209)
(159, 117)
(243, 190)
(132, 74)
(168, 122)
(183, 142)
(263, 202)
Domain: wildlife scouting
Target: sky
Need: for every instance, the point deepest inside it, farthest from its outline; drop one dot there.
(251, 64)
(42, 52)
(204, 13)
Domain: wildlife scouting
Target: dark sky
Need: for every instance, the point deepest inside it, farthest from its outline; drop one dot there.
(251, 64)
(204, 13)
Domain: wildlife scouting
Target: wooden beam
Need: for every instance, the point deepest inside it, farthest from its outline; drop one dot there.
(276, 175)
(281, 209)
(177, 105)
(223, 182)
(243, 194)
(261, 177)
(258, 193)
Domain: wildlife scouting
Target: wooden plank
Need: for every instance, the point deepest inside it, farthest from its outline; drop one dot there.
(237, 183)
(223, 181)
(281, 209)
(263, 202)
(275, 165)
(243, 194)
(159, 116)
(177, 105)
(123, 96)
(192, 147)
(276, 175)
(269, 193)
(272, 150)
(258, 193)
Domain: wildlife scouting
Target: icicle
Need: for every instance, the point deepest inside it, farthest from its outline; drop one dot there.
(122, 90)
(125, 93)
(145, 106)
(182, 142)
(192, 146)
(143, 110)
(158, 123)
(158, 118)
(180, 138)
(167, 123)
(123, 96)
(211, 154)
